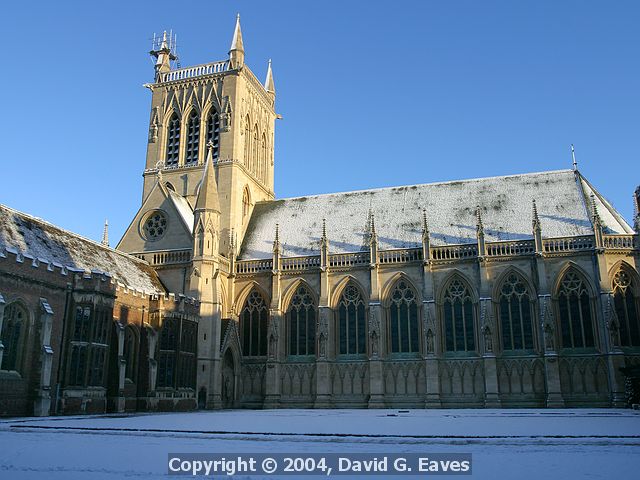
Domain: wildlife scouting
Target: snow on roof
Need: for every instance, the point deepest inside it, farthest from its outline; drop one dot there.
(183, 208)
(42, 240)
(505, 202)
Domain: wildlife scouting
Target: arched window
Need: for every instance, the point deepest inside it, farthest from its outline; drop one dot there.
(626, 304)
(352, 322)
(403, 319)
(263, 159)
(516, 314)
(89, 345)
(576, 318)
(301, 319)
(246, 203)
(459, 318)
(193, 138)
(14, 330)
(168, 346)
(247, 141)
(213, 132)
(256, 149)
(253, 325)
(173, 140)
(130, 352)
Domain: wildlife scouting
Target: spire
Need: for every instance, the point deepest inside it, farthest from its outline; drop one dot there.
(105, 233)
(480, 233)
(324, 247)
(573, 157)
(536, 219)
(598, 229)
(208, 193)
(275, 264)
(426, 240)
(537, 229)
(276, 239)
(595, 215)
(236, 52)
(268, 83)
(373, 240)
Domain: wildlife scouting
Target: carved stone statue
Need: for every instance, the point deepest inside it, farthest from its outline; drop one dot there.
(430, 346)
(488, 339)
(549, 340)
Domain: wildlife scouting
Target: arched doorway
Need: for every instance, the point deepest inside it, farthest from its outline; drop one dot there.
(228, 380)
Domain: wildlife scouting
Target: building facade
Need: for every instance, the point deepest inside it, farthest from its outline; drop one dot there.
(521, 290)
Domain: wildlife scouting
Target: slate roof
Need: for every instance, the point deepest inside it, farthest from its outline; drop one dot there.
(562, 197)
(39, 239)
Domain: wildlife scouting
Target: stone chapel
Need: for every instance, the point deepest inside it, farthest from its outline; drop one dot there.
(513, 291)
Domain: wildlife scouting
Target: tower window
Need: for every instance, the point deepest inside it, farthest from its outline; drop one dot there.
(193, 138)
(576, 317)
(173, 140)
(213, 132)
(246, 203)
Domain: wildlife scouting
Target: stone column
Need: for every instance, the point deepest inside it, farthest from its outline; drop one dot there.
(551, 360)
(615, 355)
(275, 341)
(376, 371)
(42, 403)
(431, 350)
(119, 401)
(152, 339)
(323, 380)
(487, 330)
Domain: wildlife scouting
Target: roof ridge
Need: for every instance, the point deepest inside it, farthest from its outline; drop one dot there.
(378, 189)
(73, 234)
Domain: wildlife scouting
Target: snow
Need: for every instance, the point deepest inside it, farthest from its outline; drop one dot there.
(506, 207)
(523, 444)
(183, 208)
(50, 244)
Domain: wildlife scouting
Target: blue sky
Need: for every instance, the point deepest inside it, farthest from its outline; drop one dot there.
(372, 93)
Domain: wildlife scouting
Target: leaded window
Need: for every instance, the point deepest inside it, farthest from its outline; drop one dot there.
(403, 318)
(213, 132)
(459, 318)
(352, 322)
(168, 346)
(14, 330)
(89, 345)
(516, 314)
(173, 140)
(626, 305)
(130, 352)
(187, 354)
(301, 318)
(193, 138)
(253, 323)
(576, 316)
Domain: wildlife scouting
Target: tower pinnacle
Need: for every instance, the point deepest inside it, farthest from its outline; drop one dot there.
(236, 52)
(208, 193)
(268, 83)
(105, 234)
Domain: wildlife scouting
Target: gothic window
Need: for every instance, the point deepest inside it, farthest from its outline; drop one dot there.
(403, 319)
(253, 323)
(516, 314)
(256, 149)
(301, 319)
(263, 159)
(167, 356)
(193, 138)
(173, 140)
(351, 322)
(187, 354)
(247, 141)
(89, 345)
(576, 317)
(154, 225)
(459, 318)
(626, 305)
(130, 352)
(14, 331)
(213, 132)
(246, 203)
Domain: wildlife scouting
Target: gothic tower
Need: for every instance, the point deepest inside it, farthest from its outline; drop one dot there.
(220, 103)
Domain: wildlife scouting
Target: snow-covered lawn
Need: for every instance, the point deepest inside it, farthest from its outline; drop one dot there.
(513, 444)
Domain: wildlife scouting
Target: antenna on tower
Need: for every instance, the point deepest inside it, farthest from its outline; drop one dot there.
(166, 43)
